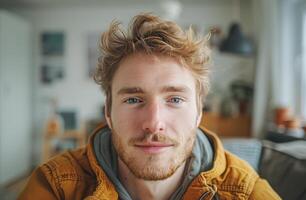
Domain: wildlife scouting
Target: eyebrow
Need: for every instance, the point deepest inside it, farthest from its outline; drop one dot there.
(175, 89)
(130, 90)
(165, 89)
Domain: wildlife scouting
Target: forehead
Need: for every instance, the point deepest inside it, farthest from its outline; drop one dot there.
(151, 72)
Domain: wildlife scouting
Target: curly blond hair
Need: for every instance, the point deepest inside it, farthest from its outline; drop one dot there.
(150, 34)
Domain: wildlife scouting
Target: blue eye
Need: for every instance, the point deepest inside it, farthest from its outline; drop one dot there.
(132, 100)
(176, 100)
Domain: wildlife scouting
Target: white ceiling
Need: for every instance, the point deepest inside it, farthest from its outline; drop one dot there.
(38, 3)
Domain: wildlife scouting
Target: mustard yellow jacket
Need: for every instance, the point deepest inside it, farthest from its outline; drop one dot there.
(77, 175)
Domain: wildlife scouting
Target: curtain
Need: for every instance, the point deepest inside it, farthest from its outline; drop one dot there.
(267, 29)
(278, 83)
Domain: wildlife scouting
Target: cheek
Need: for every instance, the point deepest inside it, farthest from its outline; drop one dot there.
(183, 128)
(186, 117)
(124, 120)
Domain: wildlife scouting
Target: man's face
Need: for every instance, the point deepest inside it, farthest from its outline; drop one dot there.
(154, 115)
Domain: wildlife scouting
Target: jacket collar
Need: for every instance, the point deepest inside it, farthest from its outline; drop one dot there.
(105, 189)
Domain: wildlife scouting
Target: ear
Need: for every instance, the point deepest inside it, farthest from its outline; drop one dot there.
(107, 116)
(199, 118)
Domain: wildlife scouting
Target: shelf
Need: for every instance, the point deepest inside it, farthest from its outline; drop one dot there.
(236, 126)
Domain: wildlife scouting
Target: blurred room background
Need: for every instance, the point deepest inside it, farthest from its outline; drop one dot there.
(49, 48)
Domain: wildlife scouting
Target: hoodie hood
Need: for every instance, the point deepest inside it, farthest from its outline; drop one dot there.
(200, 160)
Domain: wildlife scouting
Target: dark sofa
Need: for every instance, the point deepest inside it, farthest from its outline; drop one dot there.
(282, 164)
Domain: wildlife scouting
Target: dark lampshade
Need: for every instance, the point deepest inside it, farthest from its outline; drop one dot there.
(236, 42)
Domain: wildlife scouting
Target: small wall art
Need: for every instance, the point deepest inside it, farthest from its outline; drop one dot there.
(52, 43)
(52, 54)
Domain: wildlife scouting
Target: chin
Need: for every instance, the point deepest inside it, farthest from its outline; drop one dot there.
(154, 169)
(154, 174)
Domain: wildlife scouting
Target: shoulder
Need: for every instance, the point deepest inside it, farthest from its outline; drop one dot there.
(66, 176)
(69, 174)
(238, 177)
(241, 179)
(263, 190)
(233, 162)
(233, 176)
(68, 166)
(232, 169)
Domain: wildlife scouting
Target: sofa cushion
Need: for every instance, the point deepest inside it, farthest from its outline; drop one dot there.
(284, 166)
(245, 148)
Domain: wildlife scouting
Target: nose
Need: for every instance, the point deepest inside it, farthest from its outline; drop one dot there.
(153, 118)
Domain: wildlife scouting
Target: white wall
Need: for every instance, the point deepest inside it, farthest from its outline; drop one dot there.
(77, 90)
(15, 97)
(303, 70)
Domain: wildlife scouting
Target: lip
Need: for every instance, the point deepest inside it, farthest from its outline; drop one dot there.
(153, 148)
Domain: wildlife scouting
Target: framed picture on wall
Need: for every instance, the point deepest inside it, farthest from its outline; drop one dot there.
(52, 69)
(70, 119)
(52, 52)
(52, 43)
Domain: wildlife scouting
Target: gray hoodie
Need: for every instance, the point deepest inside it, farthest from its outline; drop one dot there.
(200, 160)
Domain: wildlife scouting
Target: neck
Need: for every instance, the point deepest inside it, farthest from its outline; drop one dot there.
(151, 190)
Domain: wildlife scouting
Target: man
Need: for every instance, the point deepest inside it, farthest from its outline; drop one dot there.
(155, 78)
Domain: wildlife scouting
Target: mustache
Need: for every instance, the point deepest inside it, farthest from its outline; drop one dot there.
(148, 137)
